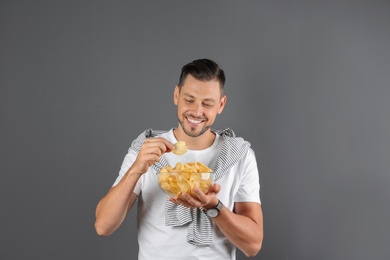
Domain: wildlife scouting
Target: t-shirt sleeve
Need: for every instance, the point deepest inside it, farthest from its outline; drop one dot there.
(249, 189)
(126, 164)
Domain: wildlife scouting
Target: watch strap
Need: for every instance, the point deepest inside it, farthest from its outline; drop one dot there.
(219, 205)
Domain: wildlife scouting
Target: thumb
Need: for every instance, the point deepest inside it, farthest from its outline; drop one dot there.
(215, 188)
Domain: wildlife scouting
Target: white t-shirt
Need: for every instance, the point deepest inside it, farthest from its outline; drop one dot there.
(157, 241)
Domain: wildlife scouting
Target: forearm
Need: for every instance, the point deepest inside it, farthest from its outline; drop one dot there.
(112, 209)
(244, 232)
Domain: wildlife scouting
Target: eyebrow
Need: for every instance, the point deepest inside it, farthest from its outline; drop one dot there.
(207, 99)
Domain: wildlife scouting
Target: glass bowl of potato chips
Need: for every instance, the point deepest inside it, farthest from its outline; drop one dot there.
(184, 178)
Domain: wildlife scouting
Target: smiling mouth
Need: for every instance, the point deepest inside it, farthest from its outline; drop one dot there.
(194, 121)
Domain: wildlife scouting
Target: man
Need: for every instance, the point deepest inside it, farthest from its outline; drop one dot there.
(201, 226)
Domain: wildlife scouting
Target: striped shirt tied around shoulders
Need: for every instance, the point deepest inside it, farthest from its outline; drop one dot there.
(199, 230)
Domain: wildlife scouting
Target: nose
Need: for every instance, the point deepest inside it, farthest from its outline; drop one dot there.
(197, 110)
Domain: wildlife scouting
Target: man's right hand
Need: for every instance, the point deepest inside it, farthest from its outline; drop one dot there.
(151, 151)
(112, 208)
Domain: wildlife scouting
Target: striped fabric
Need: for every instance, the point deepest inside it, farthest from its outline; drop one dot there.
(199, 225)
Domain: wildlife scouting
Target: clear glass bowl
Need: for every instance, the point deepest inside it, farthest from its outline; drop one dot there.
(176, 183)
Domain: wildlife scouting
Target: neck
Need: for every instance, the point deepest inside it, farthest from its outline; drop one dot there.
(195, 143)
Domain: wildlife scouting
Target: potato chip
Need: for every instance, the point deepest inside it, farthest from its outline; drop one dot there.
(180, 148)
(184, 178)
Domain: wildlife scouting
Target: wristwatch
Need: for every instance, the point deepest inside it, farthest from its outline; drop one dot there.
(214, 212)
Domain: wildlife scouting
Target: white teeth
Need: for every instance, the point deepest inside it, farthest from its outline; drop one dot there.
(194, 121)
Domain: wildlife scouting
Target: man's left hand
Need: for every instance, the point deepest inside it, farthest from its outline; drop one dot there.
(199, 199)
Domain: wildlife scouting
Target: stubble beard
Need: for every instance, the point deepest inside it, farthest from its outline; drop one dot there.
(191, 134)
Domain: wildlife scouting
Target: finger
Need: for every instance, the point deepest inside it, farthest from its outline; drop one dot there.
(200, 195)
(154, 145)
(205, 197)
(179, 201)
(151, 152)
(215, 188)
(168, 146)
(149, 157)
(173, 200)
(144, 162)
(187, 198)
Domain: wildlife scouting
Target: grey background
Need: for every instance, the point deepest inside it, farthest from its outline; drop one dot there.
(308, 85)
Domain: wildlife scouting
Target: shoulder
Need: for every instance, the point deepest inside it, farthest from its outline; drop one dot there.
(137, 143)
(229, 134)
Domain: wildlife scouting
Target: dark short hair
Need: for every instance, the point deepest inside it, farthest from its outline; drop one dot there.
(204, 70)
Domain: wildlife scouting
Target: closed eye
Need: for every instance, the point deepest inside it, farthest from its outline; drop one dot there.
(208, 105)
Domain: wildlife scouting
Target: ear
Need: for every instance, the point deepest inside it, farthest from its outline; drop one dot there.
(222, 104)
(176, 93)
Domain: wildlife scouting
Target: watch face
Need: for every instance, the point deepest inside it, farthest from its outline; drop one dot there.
(212, 213)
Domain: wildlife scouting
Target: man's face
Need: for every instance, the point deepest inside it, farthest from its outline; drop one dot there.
(198, 103)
